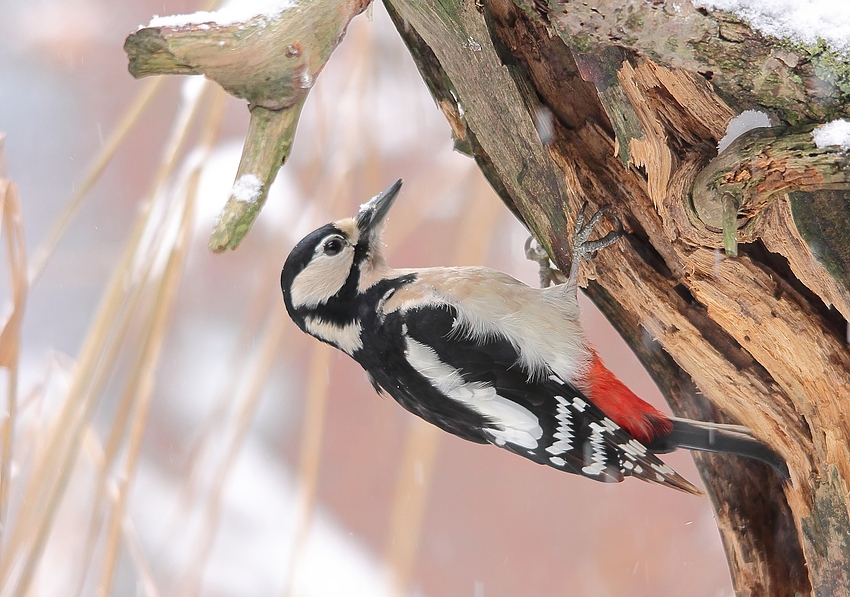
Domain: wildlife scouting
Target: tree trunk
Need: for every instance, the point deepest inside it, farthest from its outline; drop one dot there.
(732, 286)
(584, 104)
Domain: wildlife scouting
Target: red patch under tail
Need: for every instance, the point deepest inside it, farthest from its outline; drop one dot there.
(642, 420)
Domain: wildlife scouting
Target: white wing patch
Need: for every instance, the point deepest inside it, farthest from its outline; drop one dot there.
(633, 449)
(594, 451)
(346, 337)
(517, 424)
(564, 434)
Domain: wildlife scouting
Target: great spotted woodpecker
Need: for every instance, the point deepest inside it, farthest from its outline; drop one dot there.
(488, 358)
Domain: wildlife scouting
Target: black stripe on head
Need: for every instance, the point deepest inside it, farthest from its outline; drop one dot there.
(348, 306)
(363, 249)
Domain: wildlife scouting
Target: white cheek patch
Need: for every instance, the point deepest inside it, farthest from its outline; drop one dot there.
(517, 425)
(346, 337)
(323, 277)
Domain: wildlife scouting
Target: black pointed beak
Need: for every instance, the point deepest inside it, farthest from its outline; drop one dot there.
(373, 212)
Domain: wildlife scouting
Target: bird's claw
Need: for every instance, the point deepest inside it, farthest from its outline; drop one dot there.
(548, 275)
(585, 249)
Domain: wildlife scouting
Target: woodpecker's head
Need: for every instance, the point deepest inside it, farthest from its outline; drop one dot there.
(323, 271)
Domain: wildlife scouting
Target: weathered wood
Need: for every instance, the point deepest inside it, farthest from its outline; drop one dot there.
(796, 83)
(763, 164)
(823, 221)
(760, 538)
(740, 328)
(442, 90)
(271, 61)
(495, 110)
(601, 69)
(821, 261)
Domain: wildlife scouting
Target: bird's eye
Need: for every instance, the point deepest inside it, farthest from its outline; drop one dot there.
(332, 246)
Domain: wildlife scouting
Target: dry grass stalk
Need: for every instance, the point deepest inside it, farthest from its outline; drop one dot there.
(94, 450)
(138, 390)
(117, 435)
(146, 366)
(248, 400)
(10, 212)
(310, 459)
(54, 465)
(410, 498)
(202, 448)
(101, 160)
(137, 555)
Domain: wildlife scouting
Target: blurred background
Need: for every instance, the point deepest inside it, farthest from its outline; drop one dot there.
(174, 434)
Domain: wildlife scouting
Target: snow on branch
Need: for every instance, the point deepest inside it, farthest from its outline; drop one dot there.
(802, 21)
(833, 133)
(234, 12)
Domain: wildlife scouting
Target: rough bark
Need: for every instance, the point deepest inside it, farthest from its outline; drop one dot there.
(760, 538)
(636, 117)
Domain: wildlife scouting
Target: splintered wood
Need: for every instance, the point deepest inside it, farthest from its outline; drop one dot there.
(634, 131)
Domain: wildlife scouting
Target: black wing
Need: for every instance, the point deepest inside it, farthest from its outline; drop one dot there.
(465, 385)
(384, 357)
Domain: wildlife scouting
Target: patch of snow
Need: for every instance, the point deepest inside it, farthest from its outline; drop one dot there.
(247, 189)
(307, 79)
(802, 21)
(833, 133)
(743, 122)
(235, 11)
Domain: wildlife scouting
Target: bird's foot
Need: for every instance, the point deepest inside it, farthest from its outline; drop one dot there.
(548, 275)
(583, 247)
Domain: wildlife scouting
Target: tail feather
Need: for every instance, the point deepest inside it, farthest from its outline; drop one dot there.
(716, 437)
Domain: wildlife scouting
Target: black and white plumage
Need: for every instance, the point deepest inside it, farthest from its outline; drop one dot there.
(487, 358)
